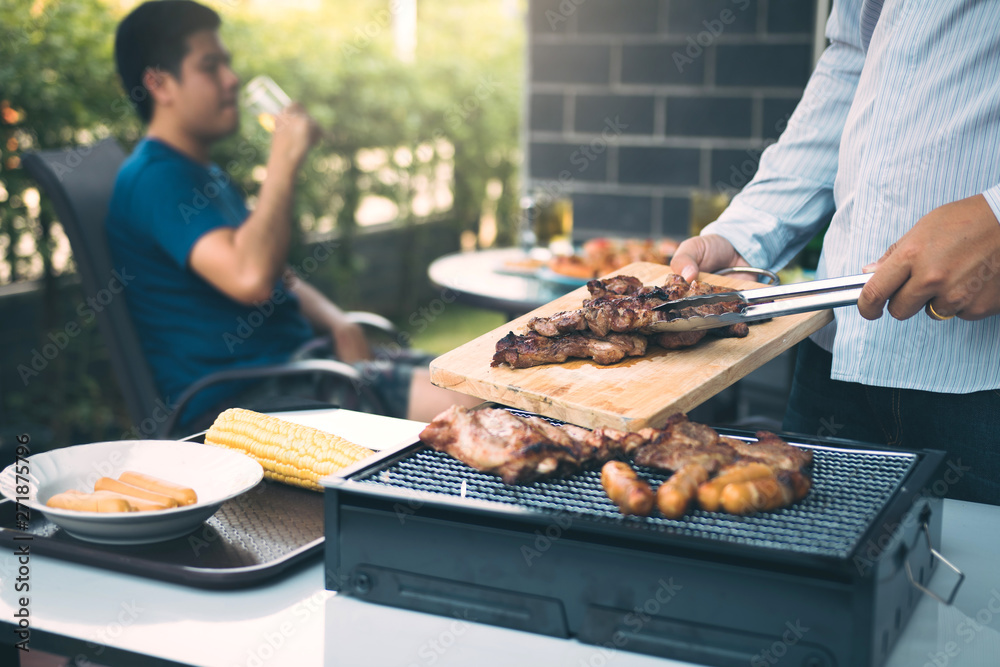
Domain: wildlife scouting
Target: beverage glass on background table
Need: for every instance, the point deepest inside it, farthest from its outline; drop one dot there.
(265, 99)
(706, 207)
(554, 224)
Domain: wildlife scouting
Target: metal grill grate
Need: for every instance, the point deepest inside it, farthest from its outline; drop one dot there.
(850, 488)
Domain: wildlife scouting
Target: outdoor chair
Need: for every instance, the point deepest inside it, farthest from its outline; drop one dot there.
(79, 182)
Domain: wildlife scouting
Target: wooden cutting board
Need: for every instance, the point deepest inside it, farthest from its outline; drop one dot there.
(634, 393)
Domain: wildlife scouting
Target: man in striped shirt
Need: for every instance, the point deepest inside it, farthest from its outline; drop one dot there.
(897, 134)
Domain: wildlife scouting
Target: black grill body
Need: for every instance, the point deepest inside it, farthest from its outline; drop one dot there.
(820, 584)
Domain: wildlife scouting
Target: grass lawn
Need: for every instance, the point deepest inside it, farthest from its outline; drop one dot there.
(455, 325)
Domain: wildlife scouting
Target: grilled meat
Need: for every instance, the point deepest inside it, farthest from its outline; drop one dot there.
(622, 305)
(616, 285)
(710, 492)
(626, 489)
(675, 496)
(523, 449)
(517, 449)
(532, 349)
(772, 451)
(675, 340)
(681, 442)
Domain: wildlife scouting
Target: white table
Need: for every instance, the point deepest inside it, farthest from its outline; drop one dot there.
(111, 618)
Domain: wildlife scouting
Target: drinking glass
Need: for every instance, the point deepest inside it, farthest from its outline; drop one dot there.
(265, 99)
(554, 224)
(706, 207)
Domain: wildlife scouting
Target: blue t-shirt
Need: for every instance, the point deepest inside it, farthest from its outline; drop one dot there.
(163, 202)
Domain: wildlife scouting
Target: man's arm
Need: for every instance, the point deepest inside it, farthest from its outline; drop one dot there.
(792, 192)
(324, 315)
(244, 262)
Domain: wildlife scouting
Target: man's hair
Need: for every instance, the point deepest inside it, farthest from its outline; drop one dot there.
(155, 35)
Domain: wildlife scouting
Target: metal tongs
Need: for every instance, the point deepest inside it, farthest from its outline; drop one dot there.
(761, 304)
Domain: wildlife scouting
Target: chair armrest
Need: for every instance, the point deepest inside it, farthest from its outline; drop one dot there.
(376, 321)
(308, 350)
(327, 366)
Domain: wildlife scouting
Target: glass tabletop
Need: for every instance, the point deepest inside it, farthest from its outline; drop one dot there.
(490, 279)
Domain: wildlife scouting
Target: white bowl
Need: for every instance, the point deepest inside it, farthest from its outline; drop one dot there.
(216, 474)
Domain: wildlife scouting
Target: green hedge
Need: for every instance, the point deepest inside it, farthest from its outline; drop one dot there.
(458, 103)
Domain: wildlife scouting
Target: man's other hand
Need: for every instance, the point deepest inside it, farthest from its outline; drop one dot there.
(950, 259)
(707, 253)
(295, 132)
(349, 342)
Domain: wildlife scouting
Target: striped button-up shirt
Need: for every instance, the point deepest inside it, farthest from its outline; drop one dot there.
(901, 115)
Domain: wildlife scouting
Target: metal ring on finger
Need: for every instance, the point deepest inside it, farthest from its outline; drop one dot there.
(934, 315)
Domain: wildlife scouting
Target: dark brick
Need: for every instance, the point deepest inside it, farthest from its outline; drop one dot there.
(658, 166)
(581, 161)
(732, 169)
(547, 112)
(570, 63)
(789, 16)
(676, 219)
(656, 64)
(594, 111)
(545, 17)
(763, 65)
(709, 116)
(618, 16)
(617, 215)
(689, 17)
(775, 116)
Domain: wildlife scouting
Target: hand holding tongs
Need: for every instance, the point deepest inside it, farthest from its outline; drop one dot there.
(763, 303)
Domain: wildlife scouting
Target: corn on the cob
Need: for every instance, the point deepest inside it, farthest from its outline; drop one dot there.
(289, 453)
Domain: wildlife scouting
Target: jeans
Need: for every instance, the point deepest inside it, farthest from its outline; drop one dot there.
(967, 426)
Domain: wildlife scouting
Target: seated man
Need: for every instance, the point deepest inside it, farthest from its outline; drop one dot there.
(202, 263)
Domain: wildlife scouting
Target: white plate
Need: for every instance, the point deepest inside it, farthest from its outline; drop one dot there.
(216, 474)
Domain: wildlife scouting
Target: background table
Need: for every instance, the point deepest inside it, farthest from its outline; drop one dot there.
(477, 278)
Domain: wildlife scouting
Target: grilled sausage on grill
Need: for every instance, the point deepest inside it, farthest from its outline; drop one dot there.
(626, 489)
(674, 496)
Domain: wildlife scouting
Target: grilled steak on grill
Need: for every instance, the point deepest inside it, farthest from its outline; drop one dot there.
(517, 449)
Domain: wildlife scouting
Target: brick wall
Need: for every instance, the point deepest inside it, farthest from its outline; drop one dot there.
(631, 104)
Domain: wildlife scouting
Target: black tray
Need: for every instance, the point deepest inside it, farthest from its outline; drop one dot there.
(252, 538)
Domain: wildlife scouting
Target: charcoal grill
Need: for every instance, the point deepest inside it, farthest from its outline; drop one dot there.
(821, 584)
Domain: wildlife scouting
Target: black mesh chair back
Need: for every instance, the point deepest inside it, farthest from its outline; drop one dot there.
(79, 182)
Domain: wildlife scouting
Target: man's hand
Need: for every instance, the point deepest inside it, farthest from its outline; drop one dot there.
(950, 259)
(349, 342)
(295, 132)
(707, 253)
